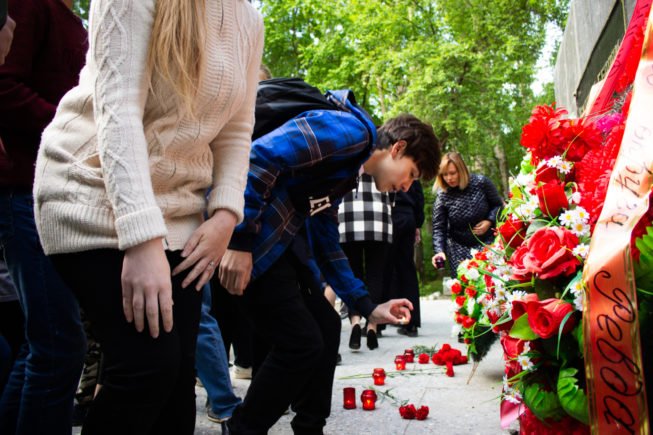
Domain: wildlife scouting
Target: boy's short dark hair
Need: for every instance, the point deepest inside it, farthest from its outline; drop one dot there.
(421, 143)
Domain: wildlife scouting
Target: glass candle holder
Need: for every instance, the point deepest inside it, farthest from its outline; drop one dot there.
(439, 263)
(349, 397)
(409, 355)
(368, 398)
(379, 376)
(400, 362)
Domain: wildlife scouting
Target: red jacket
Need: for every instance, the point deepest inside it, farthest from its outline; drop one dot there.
(46, 56)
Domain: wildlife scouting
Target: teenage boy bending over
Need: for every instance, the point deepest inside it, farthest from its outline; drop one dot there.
(297, 175)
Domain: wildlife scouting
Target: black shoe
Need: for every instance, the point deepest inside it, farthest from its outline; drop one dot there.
(355, 337)
(408, 332)
(372, 342)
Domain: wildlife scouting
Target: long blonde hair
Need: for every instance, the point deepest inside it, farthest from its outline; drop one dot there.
(176, 50)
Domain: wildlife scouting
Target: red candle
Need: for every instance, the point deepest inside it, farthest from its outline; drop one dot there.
(400, 362)
(349, 397)
(409, 355)
(369, 399)
(379, 376)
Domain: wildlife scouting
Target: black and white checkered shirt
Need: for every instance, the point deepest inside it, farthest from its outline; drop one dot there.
(365, 214)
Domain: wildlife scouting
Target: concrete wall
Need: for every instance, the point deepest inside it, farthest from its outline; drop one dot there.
(594, 28)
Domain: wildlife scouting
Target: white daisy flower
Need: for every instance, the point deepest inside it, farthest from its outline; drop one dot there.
(576, 197)
(500, 294)
(512, 396)
(525, 362)
(565, 166)
(578, 302)
(582, 214)
(472, 274)
(524, 179)
(581, 251)
(471, 304)
(554, 162)
(567, 218)
(580, 229)
(506, 384)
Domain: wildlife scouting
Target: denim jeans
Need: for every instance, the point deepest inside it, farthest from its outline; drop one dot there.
(212, 364)
(38, 397)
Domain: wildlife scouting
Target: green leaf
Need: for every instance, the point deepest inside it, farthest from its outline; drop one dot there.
(522, 330)
(560, 329)
(572, 398)
(544, 404)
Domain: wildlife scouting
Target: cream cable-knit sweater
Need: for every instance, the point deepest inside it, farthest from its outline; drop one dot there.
(118, 166)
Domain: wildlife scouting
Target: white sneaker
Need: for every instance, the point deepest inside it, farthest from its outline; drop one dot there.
(242, 372)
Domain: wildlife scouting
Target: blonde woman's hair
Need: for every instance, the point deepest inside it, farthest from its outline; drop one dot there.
(176, 50)
(461, 167)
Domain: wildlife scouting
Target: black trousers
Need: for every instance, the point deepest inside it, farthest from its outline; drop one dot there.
(368, 260)
(148, 383)
(234, 326)
(400, 272)
(302, 332)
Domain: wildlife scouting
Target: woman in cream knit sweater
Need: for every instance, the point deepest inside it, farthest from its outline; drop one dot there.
(163, 111)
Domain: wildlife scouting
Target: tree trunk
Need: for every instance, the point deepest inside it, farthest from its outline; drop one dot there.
(503, 169)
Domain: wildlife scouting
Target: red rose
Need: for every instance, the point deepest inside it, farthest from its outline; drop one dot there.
(519, 306)
(468, 322)
(458, 318)
(422, 413)
(423, 358)
(546, 173)
(513, 368)
(519, 271)
(512, 347)
(471, 292)
(494, 318)
(549, 253)
(407, 411)
(456, 288)
(460, 300)
(552, 198)
(512, 231)
(545, 317)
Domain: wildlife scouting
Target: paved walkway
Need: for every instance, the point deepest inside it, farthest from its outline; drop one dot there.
(455, 407)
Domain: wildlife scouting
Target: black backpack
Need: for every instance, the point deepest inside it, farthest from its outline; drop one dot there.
(281, 99)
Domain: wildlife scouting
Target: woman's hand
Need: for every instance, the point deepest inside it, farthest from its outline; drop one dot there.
(205, 248)
(482, 227)
(436, 256)
(146, 286)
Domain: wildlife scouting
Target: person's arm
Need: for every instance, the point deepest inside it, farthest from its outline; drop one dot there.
(21, 107)
(336, 269)
(439, 225)
(232, 146)
(208, 243)
(294, 145)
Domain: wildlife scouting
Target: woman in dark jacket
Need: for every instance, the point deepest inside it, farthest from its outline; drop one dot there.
(464, 212)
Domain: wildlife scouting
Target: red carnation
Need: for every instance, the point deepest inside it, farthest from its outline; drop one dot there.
(422, 413)
(545, 317)
(471, 292)
(407, 411)
(583, 136)
(542, 136)
(423, 358)
(456, 288)
(468, 322)
(460, 300)
(552, 198)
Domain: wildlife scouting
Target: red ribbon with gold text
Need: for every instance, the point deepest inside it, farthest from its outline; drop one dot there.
(615, 379)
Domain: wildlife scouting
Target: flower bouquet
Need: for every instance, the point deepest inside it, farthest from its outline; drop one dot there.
(554, 283)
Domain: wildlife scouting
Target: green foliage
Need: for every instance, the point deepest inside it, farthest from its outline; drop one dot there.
(81, 7)
(544, 404)
(572, 398)
(522, 330)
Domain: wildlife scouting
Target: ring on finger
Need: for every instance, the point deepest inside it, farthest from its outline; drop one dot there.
(211, 264)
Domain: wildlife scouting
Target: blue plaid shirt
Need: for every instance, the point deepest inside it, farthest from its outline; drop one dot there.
(291, 179)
